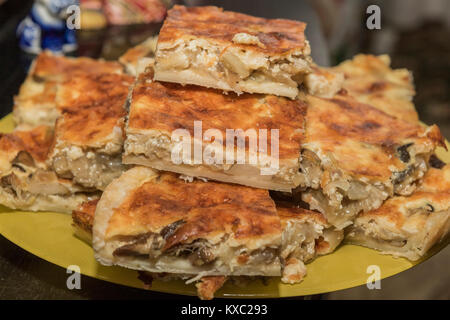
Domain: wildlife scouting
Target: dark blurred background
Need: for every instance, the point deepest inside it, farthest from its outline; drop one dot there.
(415, 33)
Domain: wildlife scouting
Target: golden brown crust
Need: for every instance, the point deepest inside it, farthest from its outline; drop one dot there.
(277, 36)
(371, 80)
(365, 123)
(436, 180)
(49, 66)
(35, 104)
(92, 105)
(167, 106)
(36, 142)
(207, 286)
(92, 88)
(199, 209)
(361, 138)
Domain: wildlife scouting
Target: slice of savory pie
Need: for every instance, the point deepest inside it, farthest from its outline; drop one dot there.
(408, 226)
(371, 80)
(159, 223)
(89, 134)
(209, 47)
(25, 181)
(132, 56)
(355, 156)
(35, 103)
(306, 234)
(83, 221)
(227, 134)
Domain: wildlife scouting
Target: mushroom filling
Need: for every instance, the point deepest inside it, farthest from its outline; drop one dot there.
(26, 179)
(342, 199)
(92, 170)
(23, 190)
(404, 181)
(199, 252)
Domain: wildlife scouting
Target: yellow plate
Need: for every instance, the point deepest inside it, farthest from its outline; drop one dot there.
(50, 236)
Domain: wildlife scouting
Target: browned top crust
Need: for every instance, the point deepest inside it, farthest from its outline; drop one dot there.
(362, 139)
(370, 79)
(36, 142)
(83, 216)
(52, 67)
(184, 212)
(35, 104)
(277, 36)
(167, 107)
(92, 105)
(436, 180)
(91, 88)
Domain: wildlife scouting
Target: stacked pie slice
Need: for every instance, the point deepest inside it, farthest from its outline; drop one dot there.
(141, 150)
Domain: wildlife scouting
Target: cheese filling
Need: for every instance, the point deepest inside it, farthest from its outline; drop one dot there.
(236, 68)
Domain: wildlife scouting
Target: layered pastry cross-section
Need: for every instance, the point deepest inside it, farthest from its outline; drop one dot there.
(26, 182)
(83, 222)
(209, 47)
(35, 103)
(408, 226)
(156, 222)
(305, 235)
(89, 133)
(252, 140)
